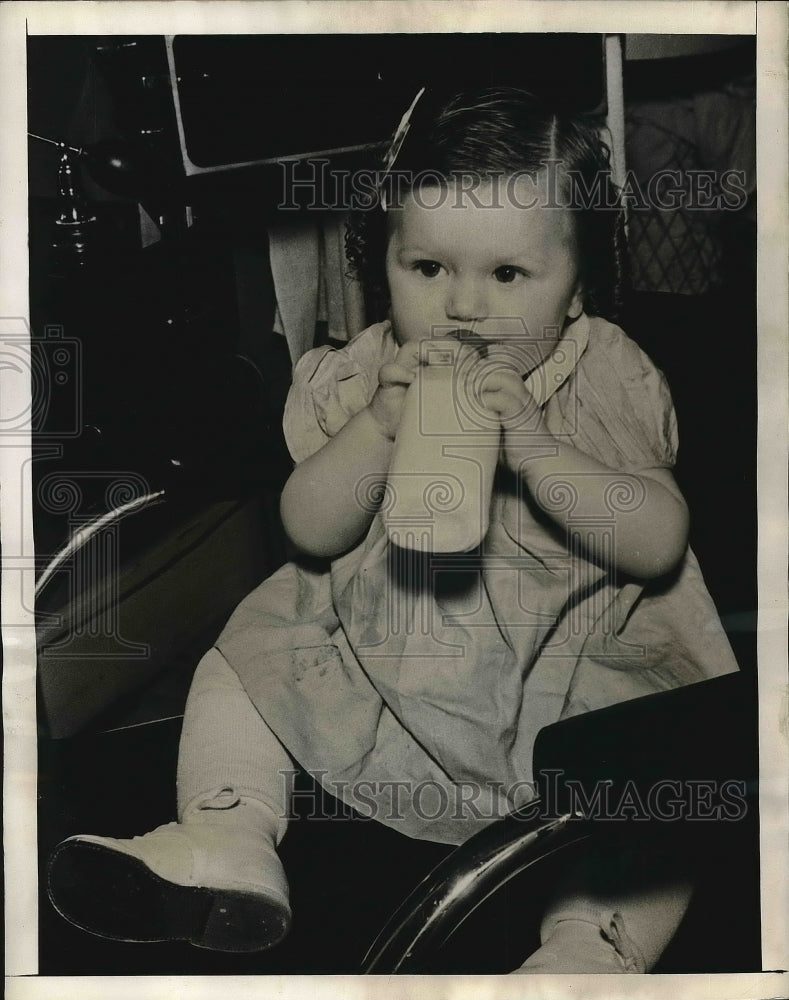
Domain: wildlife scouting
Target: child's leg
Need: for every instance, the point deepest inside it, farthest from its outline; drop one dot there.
(214, 877)
(229, 761)
(613, 911)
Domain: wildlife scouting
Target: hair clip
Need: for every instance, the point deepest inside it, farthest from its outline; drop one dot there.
(397, 142)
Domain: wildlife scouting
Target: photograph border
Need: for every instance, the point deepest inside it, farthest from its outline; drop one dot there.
(768, 21)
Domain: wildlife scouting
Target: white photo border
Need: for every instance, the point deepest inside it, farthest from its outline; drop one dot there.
(769, 22)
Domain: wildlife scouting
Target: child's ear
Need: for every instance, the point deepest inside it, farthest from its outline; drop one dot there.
(576, 306)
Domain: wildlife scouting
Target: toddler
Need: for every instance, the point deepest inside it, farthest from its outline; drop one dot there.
(427, 676)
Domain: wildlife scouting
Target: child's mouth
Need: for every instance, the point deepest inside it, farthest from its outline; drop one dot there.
(471, 339)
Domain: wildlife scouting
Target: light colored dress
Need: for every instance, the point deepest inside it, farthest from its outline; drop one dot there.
(414, 687)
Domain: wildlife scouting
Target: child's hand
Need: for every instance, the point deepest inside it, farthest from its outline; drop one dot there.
(506, 395)
(386, 406)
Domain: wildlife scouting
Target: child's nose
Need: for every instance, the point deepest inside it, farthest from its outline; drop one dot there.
(465, 300)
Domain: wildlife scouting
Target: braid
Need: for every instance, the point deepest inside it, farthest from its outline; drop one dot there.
(621, 277)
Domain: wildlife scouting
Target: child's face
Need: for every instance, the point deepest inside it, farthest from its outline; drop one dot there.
(489, 260)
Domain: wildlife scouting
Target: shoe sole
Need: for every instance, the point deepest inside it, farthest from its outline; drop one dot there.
(116, 896)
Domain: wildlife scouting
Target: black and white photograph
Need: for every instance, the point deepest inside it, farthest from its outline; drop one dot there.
(394, 451)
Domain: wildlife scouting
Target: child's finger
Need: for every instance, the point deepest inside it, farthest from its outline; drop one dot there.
(395, 374)
(496, 378)
(408, 355)
(508, 405)
(502, 402)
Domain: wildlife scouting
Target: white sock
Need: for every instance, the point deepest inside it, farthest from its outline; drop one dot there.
(637, 898)
(231, 766)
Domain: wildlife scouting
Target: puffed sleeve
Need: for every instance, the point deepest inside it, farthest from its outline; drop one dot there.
(619, 407)
(650, 407)
(329, 387)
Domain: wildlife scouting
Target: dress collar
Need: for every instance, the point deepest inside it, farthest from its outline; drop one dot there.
(554, 371)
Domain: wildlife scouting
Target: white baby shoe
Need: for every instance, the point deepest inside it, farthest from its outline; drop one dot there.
(211, 885)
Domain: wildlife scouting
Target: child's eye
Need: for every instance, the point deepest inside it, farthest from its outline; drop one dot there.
(427, 268)
(507, 273)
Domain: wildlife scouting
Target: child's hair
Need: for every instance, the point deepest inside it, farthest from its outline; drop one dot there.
(505, 131)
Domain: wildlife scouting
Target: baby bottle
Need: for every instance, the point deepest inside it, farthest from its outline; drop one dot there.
(445, 454)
